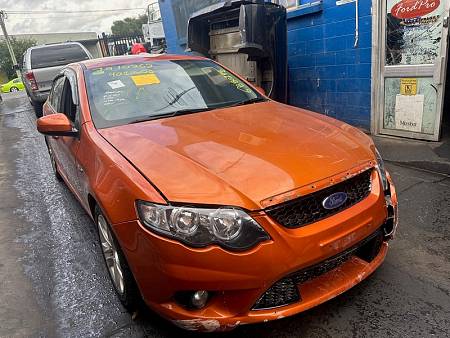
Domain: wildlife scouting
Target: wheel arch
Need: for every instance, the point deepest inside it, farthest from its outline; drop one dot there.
(92, 202)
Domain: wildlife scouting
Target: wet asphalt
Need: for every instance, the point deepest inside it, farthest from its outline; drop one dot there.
(54, 284)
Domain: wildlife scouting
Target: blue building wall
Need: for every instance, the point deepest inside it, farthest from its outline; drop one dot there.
(326, 73)
(174, 45)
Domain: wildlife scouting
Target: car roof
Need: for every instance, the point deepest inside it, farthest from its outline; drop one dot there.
(55, 44)
(126, 59)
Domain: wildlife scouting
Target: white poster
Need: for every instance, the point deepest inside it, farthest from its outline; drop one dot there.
(409, 112)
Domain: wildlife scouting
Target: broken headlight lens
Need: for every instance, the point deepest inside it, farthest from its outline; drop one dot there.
(228, 227)
(381, 170)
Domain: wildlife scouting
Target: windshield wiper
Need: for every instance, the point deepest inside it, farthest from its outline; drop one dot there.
(250, 101)
(171, 114)
(190, 111)
(195, 110)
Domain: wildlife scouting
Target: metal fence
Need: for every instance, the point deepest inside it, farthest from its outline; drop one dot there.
(112, 45)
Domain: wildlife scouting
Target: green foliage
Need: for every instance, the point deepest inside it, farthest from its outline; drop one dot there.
(129, 26)
(19, 46)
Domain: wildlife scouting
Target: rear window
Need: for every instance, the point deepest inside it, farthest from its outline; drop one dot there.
(52, 56)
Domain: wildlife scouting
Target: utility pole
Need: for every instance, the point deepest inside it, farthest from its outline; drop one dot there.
(8, 43)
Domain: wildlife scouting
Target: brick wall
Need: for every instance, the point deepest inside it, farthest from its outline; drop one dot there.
(326, 73)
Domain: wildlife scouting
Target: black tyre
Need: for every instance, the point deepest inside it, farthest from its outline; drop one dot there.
(116, 263)
(13, 89)
(38, 106)
(54, 165)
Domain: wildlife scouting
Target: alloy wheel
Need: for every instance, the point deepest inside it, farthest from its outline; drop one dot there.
(14, 89)
(111, 255)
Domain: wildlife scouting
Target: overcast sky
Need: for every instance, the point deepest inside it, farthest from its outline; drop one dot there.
(78, 22)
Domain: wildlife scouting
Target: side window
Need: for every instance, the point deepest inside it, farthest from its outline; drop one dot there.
(55, 96)
(294, 4)
(68, 105)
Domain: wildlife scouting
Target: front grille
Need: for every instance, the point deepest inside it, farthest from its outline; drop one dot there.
(309, 209)
(281, 293)
(285, 291)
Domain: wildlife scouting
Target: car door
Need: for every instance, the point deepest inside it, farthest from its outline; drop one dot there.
(67, 147)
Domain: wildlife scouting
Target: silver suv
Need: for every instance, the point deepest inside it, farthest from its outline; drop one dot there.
(42, 63)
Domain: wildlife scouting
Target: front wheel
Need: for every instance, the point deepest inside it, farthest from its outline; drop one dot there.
(54, 165)
(14, 89)
(38, 108)
(119, 271)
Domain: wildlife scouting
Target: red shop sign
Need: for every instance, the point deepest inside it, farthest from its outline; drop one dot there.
(408, 9)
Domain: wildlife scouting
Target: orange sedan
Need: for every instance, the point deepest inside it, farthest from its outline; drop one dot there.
(214, 204)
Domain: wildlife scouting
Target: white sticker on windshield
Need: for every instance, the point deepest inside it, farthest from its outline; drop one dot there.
(116, 84)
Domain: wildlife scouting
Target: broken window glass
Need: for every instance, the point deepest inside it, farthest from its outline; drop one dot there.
(413, 31)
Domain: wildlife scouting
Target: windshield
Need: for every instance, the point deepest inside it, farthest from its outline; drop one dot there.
(130, 93)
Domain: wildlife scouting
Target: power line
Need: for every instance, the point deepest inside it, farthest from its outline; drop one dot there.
(75, 16)
(70, 12)
(60, 17)
(53, 15)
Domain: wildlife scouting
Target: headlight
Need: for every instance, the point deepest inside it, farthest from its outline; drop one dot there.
(381, 171)
(228, 227)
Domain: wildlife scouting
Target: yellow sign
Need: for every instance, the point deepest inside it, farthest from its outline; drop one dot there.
(408, 87)
(145, 79)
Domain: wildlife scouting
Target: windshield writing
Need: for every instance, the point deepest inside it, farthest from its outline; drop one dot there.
(123, 94)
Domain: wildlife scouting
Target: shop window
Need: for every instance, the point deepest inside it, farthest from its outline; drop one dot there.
(410, 104)
(294, 4)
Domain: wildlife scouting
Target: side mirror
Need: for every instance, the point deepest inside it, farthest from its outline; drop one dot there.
(56, 125)
(261, 90)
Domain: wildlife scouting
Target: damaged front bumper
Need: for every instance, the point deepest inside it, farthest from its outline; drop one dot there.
(312, 264)
(313, 293)
(315, 287)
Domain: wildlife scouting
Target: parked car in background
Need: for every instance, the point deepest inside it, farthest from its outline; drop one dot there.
(214, 203)
(14, 85)
(42, 63)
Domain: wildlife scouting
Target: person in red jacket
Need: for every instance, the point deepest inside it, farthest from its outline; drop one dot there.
(138, 48)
